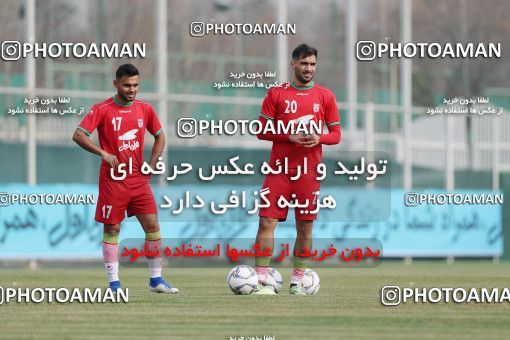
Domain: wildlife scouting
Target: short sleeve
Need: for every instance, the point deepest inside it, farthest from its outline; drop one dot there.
(331, 116)
(91, 120)
(268, 109)
(153, 123)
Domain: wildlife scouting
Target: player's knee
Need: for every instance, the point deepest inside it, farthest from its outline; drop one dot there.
(267, 224)
(151, 228)
(304, 231)
(112, 229)
(304, 234)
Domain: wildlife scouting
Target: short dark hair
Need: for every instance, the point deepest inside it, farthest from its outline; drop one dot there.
(303, 51)
(126, 70)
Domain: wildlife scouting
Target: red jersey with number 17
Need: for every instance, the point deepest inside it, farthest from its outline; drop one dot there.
(121, 131)
(289, 103)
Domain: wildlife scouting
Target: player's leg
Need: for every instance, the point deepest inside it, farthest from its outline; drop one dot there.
(111, 254)
(143, 205)
(305, 188)
(110, 211)
(265, 237)
(150, 225)
(279, 185)
(303, 241)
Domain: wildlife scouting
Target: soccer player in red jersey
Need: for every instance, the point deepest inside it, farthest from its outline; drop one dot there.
(300, 99)
(121, 122)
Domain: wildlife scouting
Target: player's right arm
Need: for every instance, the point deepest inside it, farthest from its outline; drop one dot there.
(85, 129)
(80, 138)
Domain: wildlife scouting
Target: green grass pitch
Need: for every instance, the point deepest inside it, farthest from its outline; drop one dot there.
(347, 307)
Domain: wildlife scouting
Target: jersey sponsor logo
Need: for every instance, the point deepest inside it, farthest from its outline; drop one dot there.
(316, 107)
(302, 120)
(131, 146)
(140, 123)
(306, 124)
(302, 94)
(124, 111)
(129, 136)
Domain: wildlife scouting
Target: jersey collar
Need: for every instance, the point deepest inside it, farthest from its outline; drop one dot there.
(303, 87)
(119, 103)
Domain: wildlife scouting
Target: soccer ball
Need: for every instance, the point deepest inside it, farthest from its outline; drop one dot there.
(242, 279)
(311, 282)
(274, 280)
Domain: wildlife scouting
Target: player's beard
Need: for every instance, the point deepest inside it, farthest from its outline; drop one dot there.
(301, 77)
(125, 98)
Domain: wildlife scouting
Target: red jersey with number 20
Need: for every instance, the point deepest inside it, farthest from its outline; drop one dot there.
(288, 103)
(121, 131)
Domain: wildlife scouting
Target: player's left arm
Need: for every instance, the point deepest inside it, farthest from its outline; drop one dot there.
(154, 127)
(332, 120)
(157, 149)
